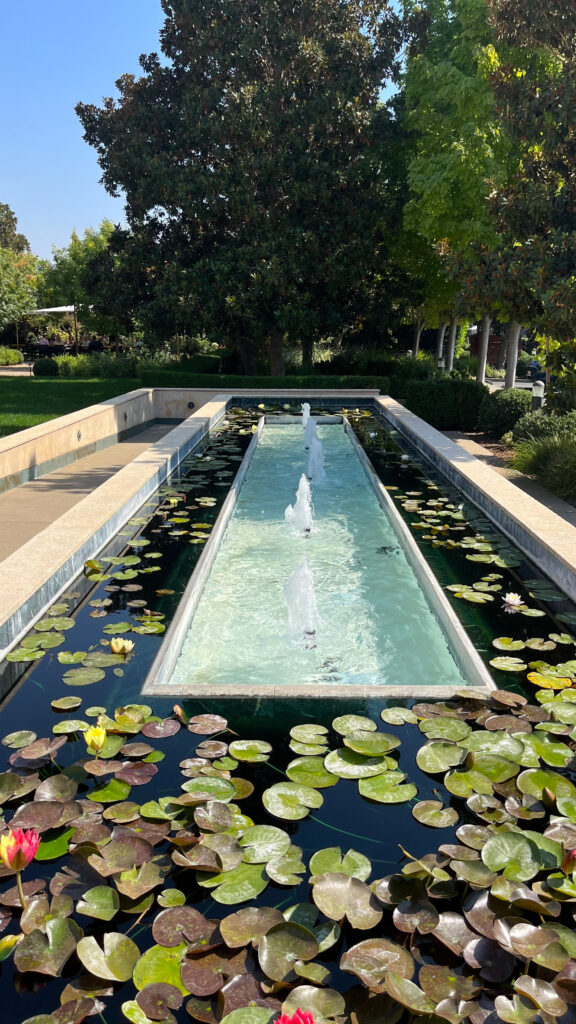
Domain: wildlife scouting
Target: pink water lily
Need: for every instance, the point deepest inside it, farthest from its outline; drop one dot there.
(300, 1017)
(17, 850)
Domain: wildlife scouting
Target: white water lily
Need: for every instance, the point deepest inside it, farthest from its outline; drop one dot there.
(512, 602)
(405, 458)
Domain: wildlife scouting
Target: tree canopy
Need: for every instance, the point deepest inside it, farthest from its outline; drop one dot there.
(247, 158)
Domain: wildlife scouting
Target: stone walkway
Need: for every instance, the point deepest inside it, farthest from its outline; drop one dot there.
(525, 483)
(26, 510)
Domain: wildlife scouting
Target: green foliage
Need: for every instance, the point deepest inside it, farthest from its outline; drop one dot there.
(501, 409)
(536, 426)
(381, 363)
(158, 378)
(553, 460)
(62, 283)
(45, 368)
(10, 238)
(101, 364)
(446, 403)
(248, 162)
(17, 285)
(10, 356)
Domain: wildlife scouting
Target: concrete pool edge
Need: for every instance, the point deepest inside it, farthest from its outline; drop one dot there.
(545, 538)
(41, 570)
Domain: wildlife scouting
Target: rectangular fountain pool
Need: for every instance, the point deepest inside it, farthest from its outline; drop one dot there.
(375, 627)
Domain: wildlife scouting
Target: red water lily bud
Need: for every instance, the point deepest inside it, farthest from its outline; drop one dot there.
(569, 862)
(18, 848)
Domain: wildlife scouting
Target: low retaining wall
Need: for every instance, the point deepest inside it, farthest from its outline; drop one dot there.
(35, 575)
(545, 537)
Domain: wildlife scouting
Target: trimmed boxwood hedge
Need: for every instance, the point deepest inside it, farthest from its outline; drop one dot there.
(501, 410)
(446, 403)
(184, 378)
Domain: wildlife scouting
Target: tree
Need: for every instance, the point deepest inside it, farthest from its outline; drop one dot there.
(9, 237)
(535, 208)
(459, 148)
(63, 281)
(246, 159)
(17, 286)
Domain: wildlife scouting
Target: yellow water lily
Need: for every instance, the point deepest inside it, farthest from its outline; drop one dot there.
(118, 645)
(95, 738)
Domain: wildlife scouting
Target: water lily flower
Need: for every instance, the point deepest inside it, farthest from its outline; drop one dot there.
(300, 1017)
(118, 645)
(569, 862)
(17, 850)
(95, 738)
(512, 602)
(404, 458)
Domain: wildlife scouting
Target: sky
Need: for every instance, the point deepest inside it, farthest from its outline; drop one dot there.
(55, 54)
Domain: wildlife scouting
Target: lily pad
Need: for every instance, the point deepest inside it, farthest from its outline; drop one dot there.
(291, 801)
(310, 771)
(347, 764)
(505, 664)
(354, 864)
(323, 1003)
(48, 953)
(250, 750)
(372, 959)
(433, 813)
(339, 896)
(281, 946)
(512, 854)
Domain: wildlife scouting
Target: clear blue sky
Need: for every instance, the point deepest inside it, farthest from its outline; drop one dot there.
(55, 54)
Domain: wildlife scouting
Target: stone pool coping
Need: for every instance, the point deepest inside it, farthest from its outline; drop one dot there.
(546, 538)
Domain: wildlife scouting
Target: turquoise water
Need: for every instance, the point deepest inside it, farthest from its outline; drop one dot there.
(374, 624)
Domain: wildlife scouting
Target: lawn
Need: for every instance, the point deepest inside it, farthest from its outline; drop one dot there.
(26, 401)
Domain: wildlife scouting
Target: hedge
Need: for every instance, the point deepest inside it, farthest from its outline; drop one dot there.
(10, 356)
(227, 382)
(501, 410)
(446, 403)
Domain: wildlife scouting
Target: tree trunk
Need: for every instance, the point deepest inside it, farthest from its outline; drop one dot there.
(512, 357)
(276, 352)
(483, 349)
(246, 351)
(442, 325)
(451, 344)
(307, 353)
(418, 328)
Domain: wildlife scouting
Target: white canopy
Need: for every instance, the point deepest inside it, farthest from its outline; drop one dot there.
(54, 309)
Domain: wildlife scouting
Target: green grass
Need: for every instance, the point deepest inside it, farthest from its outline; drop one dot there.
(26, 401)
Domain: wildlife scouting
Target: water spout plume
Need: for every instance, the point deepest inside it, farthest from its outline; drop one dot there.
(316, 471)
(302, 608)
(305, 413)
(299, 515)
(310, 432)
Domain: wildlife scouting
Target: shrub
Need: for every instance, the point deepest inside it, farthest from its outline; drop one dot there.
(45, 368)
(500, 410)
(540, 424)
(227, 382)
(204, 362)
(75, 366)
(10, 356)
(552, 460)
(446, 403)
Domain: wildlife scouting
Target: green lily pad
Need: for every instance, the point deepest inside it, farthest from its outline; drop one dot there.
(69, 727)
(309, 733)
(432, 812)
(354, 864)
(250, 750)
(310, 771)
(48, 953)
(249, 1015)
(101, 902)
(345, 724)
(512, 854)
(262, 843)
(347, 764)
(285, 869)
(160, 964)
(436, 756)
(245, 882)
(387, 789)
(281, 946)
(505, 664)
(398, 716)
(22, 738)
(248, 925)
(22, 655)
(408, 994)
(339, 896)
(83, 676)
(440, 727)
(291, 801)
(59, 623)
(507, 643)
(66, 703)
(372, 743)
(210, 788)
(111, 792)
(323, 1003)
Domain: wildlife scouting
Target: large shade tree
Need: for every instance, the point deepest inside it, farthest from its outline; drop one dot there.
(246, 157)
(535, 88)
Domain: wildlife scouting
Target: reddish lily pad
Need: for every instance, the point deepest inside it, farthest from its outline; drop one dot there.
(281, 946)
(372, 959)
(160, 730)
(249, 925)
(48, 953)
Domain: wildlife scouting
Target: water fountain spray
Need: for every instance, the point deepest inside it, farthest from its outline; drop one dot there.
(305, 413)
(316, 471)
(299, 515)
(302, 608)
(310, 432)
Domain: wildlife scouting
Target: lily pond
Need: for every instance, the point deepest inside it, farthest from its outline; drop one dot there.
(229, 861)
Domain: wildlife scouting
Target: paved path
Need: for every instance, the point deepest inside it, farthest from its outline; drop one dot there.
(525, 483)
(28, 509)
(20, 370)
